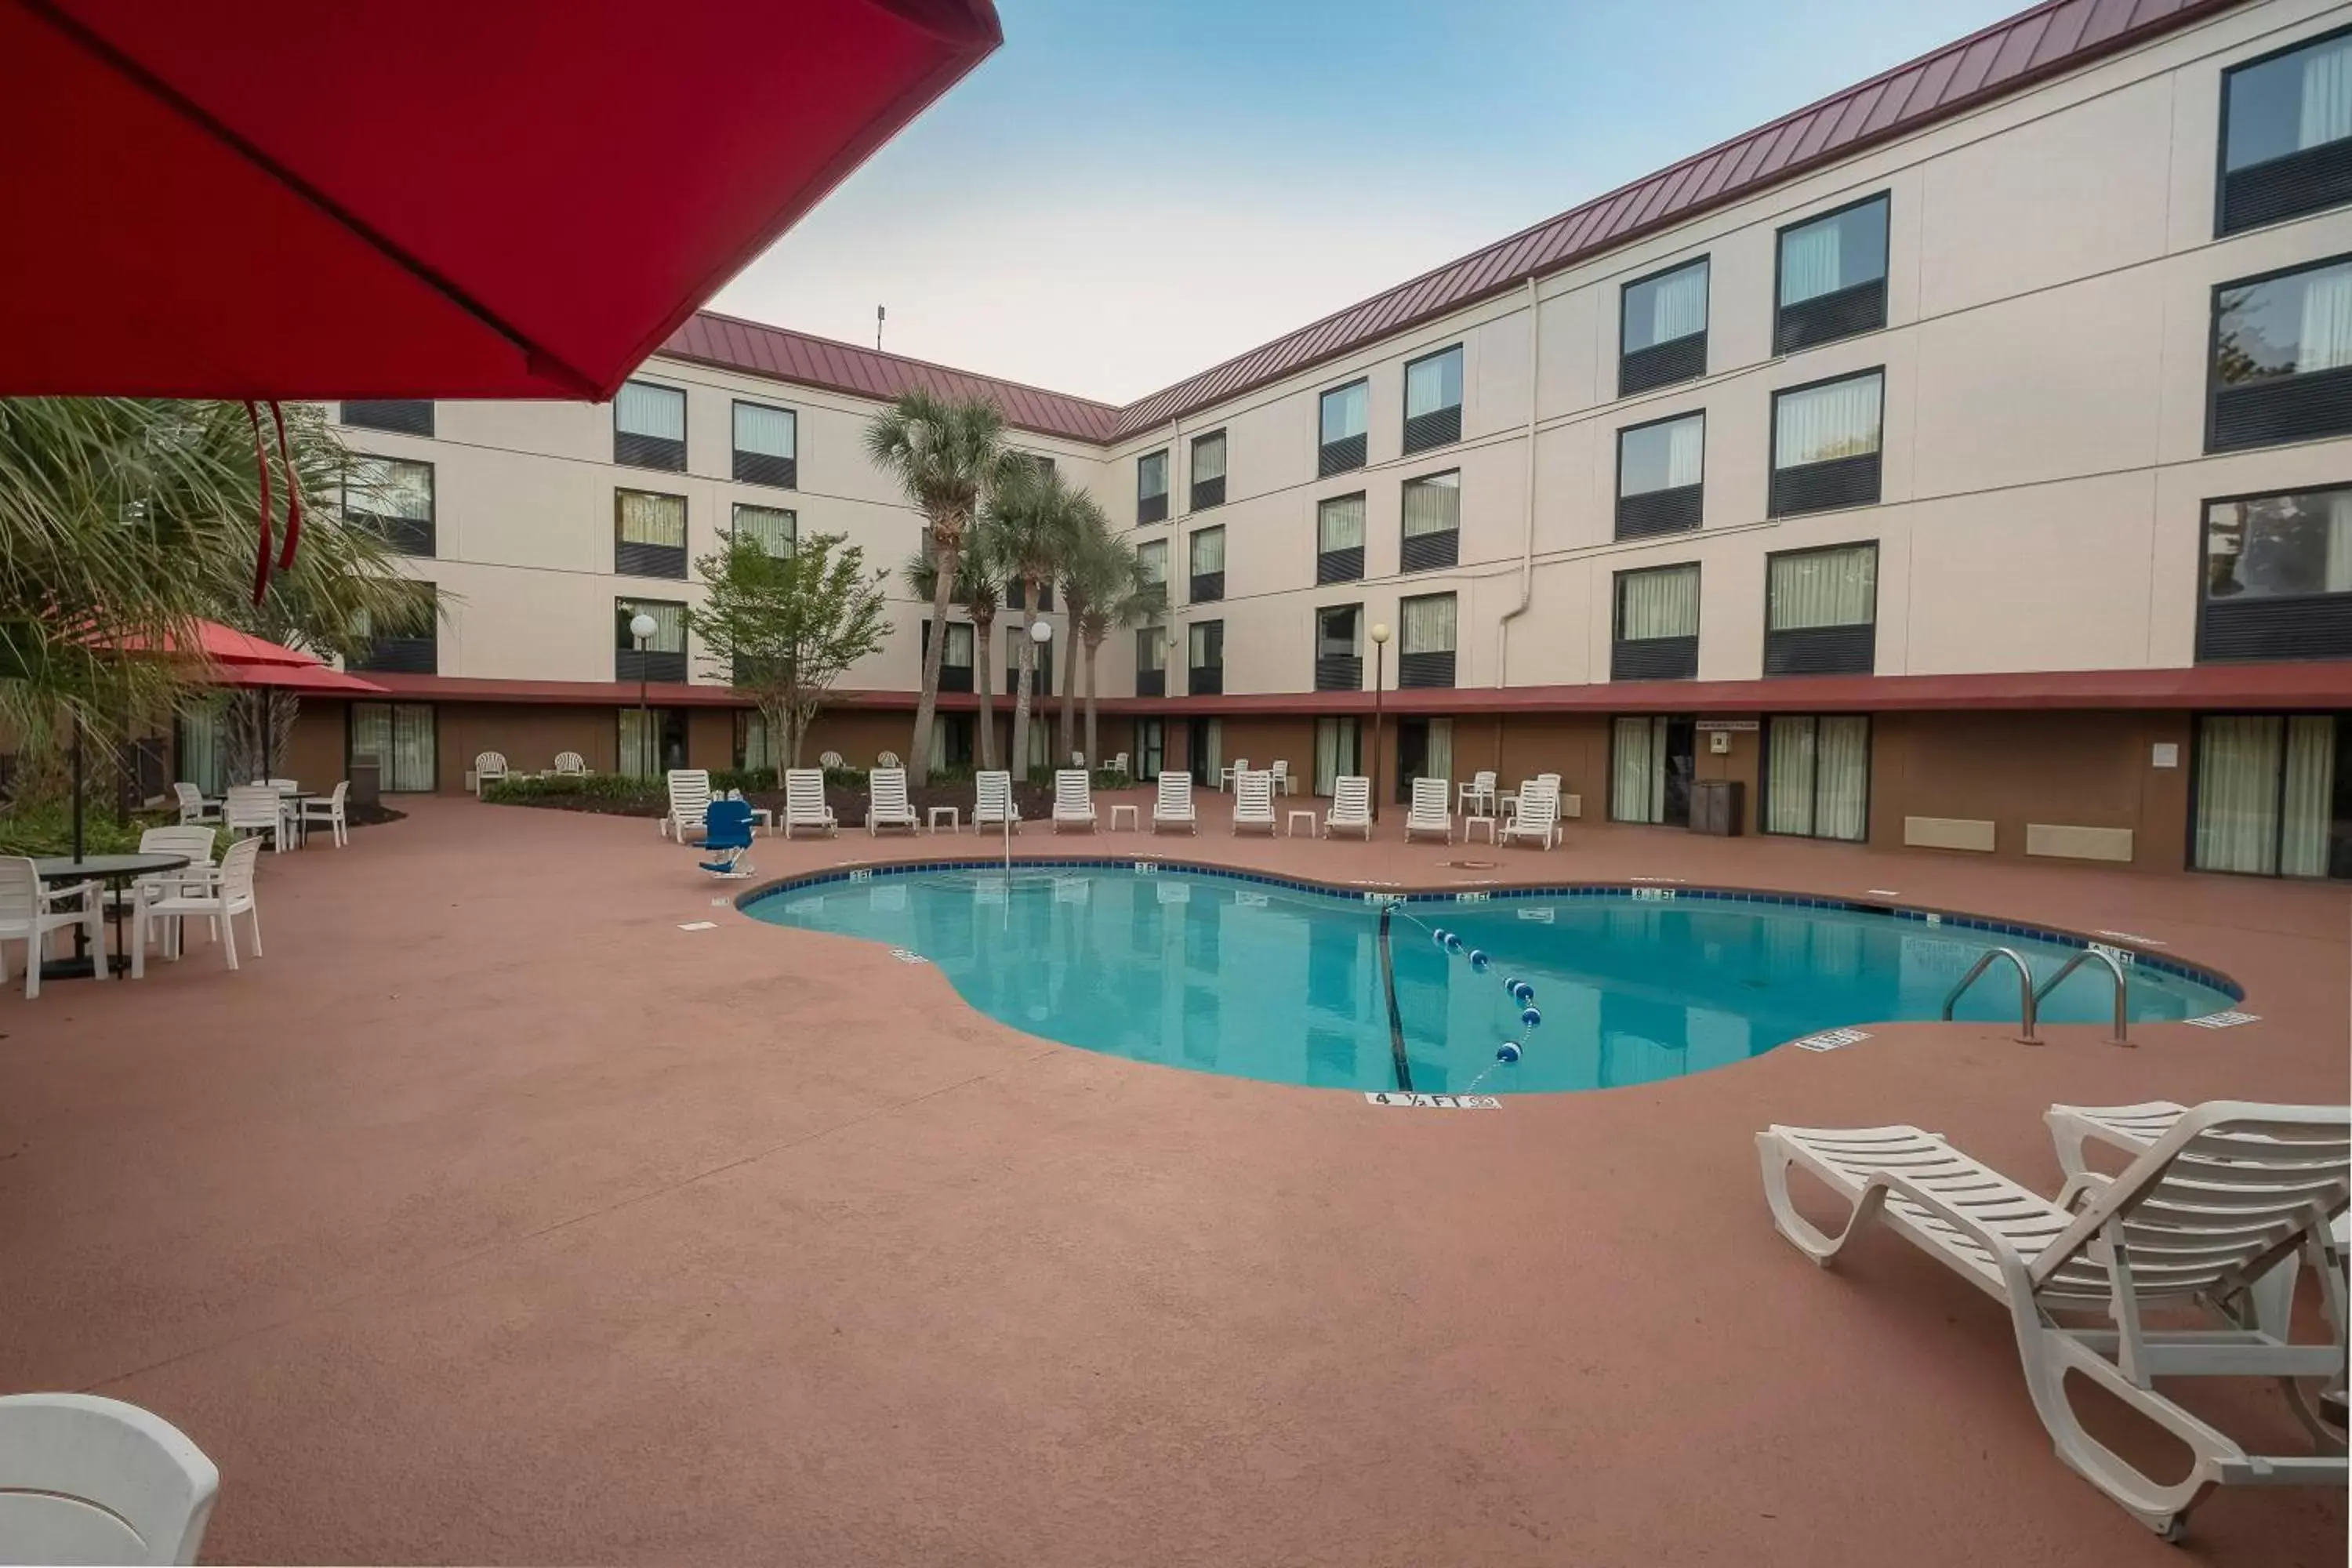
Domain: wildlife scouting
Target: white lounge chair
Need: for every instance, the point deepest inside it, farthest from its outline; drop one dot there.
(219, 900)
(1478, 794)
(1254, 802)
(829, 761)
(194, 806)
(29, 913)
(2232, 1193)
(1430, 812)
(1074, 801)
(689, 799)
(88, 1479)
(804, 805)
(885, 801)
(571, 766)
(332, 811)
(1285, 782)
(1352, 806)
(1225, 776)
(1174, 806)
(255, 809)
(1534, 814)
(489, 767)
(992, 803)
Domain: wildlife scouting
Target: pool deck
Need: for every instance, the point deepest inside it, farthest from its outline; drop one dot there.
(493, 1217)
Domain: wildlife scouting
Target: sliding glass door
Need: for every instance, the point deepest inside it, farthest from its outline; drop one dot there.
(1339, 752)
(1817, 776)
(1650, 762)
(2273, 794)
(400, 737)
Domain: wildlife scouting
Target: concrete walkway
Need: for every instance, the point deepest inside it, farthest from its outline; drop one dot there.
(491, 1217)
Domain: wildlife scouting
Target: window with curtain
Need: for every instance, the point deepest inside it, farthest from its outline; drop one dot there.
(1822, 424)
(2286, 120)
(1425, 625)
(1208, 551)
(669, 625)
(1817, 776)
(1338, 751)
(1665, 308)
(1204, 643)
(1347, 411)
(400, 736)
(1432, 504)
(1669, 453)
(203, 735)
(643, 409)
(1151, 487)
(1833, 587)
(649, 534)
(771, 527)
(2267, 790)
(1339, 523)
(2278, 345)
(1432, 384)
(765, 431)
(1208, 470)
(751, 751)
(392, 496)
(1152, 648)
(1837, 251)
(1637, 770)
(2279, 545)
(958, 653)
(1657, 601)
(1151, 563)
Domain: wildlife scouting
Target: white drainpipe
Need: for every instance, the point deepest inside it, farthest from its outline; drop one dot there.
(1528, 541)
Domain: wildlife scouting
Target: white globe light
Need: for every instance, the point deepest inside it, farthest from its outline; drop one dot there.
(1041, 631)
(642, 626)
(1379, 631)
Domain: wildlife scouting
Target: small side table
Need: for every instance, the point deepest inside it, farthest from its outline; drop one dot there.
(1471, 822)
(1134, 816)
(1291, 823)
(762, 817)
(954, 814)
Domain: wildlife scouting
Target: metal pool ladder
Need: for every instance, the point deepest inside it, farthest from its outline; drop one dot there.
(2026, 1007)
(2115, 969)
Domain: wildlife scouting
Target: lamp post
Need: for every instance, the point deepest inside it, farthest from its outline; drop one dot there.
(1041, 631)
(643, 626)
(1380, 678)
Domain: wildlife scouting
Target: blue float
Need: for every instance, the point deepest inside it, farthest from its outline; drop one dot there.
(1478, 959)
(1531, 1019)
(1521, 992)
(1509, 1053)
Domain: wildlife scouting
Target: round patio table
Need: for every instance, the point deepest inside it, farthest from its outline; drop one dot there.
(118, 872)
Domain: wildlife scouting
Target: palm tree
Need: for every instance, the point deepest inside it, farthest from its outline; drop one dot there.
(1033, 523)
(975, 588)
(945, 456)
(1115, 595)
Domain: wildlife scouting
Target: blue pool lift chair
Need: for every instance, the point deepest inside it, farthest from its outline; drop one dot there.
(727, 839)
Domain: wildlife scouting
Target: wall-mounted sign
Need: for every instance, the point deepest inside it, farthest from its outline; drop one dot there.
(1726, 724)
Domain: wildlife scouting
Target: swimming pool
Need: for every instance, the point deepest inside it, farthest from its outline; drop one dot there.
(1258, 977)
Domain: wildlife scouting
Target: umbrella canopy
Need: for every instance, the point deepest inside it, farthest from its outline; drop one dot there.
(217, 644)
(438, 198)
(303, 680)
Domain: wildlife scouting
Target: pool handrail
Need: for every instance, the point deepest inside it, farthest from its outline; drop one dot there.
(2114, 968)
(2026, 1006)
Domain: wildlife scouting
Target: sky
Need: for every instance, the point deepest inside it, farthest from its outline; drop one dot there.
(1128, 193)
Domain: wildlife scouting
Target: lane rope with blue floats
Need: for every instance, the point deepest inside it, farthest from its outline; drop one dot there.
(1449, 942)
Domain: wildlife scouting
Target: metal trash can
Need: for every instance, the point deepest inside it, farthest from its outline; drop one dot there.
(367, 777)
(1715, 806)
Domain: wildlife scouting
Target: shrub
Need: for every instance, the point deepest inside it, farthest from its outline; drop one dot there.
(589, 786)
(43, 830)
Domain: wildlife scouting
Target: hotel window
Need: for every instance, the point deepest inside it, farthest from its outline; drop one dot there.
(2278, 577)
(650, 742)
(1208, 547)
(2286, 134)
(1041, 682)
(1425, 640)
(1820, 610)
(406, 643)
(955, 659)
(1204, 658)
(771, 527)
(402, 416)
(2273, 794)
(200, 745)
(662, 657)
(1151, 565)
(1208, 470)
(1017, 595)
(1339, 752)
(1339, 538)
(1652, 760)
(1151, 661)
(1656, 625)
(1661, 468)
(2281, 358)
(1340, 648)
(1433, 400)
(1151, 487)
(400, 737)
(392, 497)
(1347, 415)
(1662, 329)
(1832, 277)
(649, 534)
(767, 446)
(1826, 444)
(649, 427)
(752, 753)
(1817, 776)
(1433, 522)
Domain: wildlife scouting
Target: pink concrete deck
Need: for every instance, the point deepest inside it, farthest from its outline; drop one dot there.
(491, 1217)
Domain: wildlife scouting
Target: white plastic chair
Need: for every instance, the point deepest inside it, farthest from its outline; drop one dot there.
(1429, 813)
(804, 805)
(329, 811)
(689, 799)
(255, 809)
(829, 760)
(1352, 806)
(1534, 814)
(489, 767)
(88, 1479)
(1118, 766)
(570, 766)
(193, 840)
(1479, 793)
(1253, 801)
(29, 913)
(1174, 806)
(194, 806)
(886, 760)
(1226, 775)
(2230, 1194)
(1074, 801)
(992, 803)
(1285, 782)
(885, 801)
(220, 902)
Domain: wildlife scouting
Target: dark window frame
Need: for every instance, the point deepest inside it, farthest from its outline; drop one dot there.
(351, 716)
(2222, 170)
(2195, 748)
(685, 413)
(2310, 608)
(1193, 493)
(954, 677)
(407, 653)
(1677, 375)
(656, 663)
(431, 422)
(1340, 672)
(1192, 685)
(391, 528)
(2341, 374)
(1426, 558)
(760, 463)
(1764, 774)
(1214, 582)
(1877, 548)
(1145, 512)
(1877, 455)
(1430, 673)
(1337, 457)
(1677, 654)
(682, 549)
(1451, 432)
(1779, 252)
(1667, 519)
(1344, 565)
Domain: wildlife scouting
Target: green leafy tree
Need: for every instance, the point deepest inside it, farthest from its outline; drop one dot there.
(977, 590)
(1109, 592)
(945, 456)
(784, 628)
(1034, 520)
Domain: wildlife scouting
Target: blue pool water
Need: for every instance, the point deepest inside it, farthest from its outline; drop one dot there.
(1260, 980)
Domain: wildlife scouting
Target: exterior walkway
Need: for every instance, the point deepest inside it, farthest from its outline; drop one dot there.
(491, 1217)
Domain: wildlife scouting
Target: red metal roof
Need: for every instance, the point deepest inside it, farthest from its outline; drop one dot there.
(2057, 36)
(733, 343)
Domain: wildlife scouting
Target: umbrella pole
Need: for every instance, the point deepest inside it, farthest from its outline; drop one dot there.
(76, 789)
